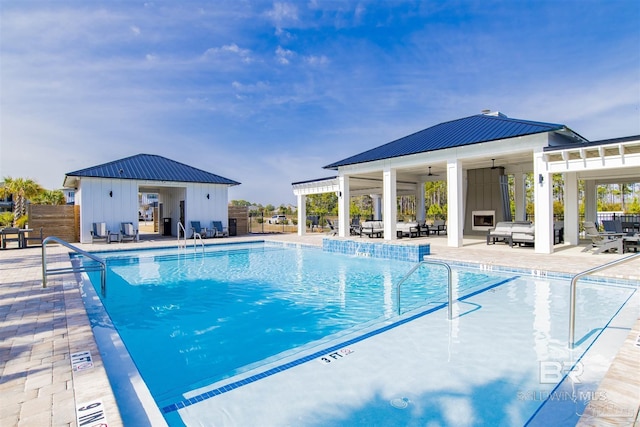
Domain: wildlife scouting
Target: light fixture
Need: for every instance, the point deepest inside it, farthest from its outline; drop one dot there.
(493, 164)
(110, 193)
(339, 193)
(540, 179)
(207, 196)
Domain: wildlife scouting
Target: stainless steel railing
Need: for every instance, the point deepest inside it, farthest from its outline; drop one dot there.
(574, 283)
(102, 264)
(449, 283)
(184, 233)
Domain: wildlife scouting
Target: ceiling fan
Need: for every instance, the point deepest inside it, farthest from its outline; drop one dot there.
(431, 174)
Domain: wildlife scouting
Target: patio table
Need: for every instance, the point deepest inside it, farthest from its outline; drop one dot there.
(21, 234)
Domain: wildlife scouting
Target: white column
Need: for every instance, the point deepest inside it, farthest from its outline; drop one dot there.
(420, 207)
(542, 196)
(571, 214)
(455, 204)
(590, 201)
(343, 206)
(377, 206)
(390, 210)
(520, 193)
(302, 214)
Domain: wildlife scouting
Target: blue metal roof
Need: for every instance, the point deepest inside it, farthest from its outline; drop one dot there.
(152, 168)
(456, 133)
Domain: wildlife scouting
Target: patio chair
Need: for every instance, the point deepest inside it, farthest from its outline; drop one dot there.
(333, 227)
(127, 232)
(354, 227)
(438, 226)
(33, 236)
(602, 242)
(219, 230)
(612, 226)
(99, 232)
(10, 231)
(196, 228)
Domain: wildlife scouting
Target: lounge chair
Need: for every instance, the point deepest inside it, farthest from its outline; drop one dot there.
(197, 229)
(99, 232)
(219, 230)
(127, 232)
(334, 229)
(602, 242)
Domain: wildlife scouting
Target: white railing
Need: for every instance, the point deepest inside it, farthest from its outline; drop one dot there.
(572, 300)
(102, 267)
(449, 283)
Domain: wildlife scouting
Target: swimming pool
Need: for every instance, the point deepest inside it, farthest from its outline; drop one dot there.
(240, 311)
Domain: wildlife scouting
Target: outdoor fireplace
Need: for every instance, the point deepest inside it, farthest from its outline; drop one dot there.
(483, 220)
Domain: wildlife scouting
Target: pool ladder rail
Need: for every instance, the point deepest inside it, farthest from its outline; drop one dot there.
(572, 300)
(449, 284)
(101, 266)
(182, 243)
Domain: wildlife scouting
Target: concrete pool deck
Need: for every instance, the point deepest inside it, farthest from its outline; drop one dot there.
(40, 329)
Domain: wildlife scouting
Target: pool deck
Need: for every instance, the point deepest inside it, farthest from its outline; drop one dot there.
(40, 329)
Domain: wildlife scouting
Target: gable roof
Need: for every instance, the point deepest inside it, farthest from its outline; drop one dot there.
(456, 133)
(151, 168)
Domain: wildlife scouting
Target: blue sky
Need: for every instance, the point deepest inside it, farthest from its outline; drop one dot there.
(269, 92)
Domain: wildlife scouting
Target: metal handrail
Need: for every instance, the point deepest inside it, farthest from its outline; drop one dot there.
(449, 283)
(180, 226)
(197, 236)
(54, 271)
(572, 301)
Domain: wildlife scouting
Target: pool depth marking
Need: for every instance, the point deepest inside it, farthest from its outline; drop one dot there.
(319, 354)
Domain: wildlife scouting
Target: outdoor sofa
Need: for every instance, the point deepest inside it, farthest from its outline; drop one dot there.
(512, 232)
(409, 229)
(372, 228)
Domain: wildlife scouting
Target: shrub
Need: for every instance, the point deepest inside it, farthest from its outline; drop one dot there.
(6, 219)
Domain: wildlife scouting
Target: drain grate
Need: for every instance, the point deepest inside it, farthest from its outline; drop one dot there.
(400, 402)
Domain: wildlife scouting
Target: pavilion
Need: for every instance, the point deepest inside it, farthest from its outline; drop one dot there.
(475, 155)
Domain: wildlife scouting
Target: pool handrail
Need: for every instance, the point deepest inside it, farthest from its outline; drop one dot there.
(449, 283)
(180, 226)
(572, 298)
(197, 236)
(54, 271)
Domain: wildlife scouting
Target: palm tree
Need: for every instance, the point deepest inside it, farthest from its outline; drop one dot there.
(49, 197)
(21, 189)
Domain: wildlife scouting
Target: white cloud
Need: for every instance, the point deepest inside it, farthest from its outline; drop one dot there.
(284, 55)
(283, 13)
(316, 60)
(234, 49)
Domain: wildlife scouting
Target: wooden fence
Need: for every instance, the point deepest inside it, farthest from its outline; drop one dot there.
(62, 221)
(241, 216)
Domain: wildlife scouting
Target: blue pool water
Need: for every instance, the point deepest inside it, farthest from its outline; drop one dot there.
(191, 319)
